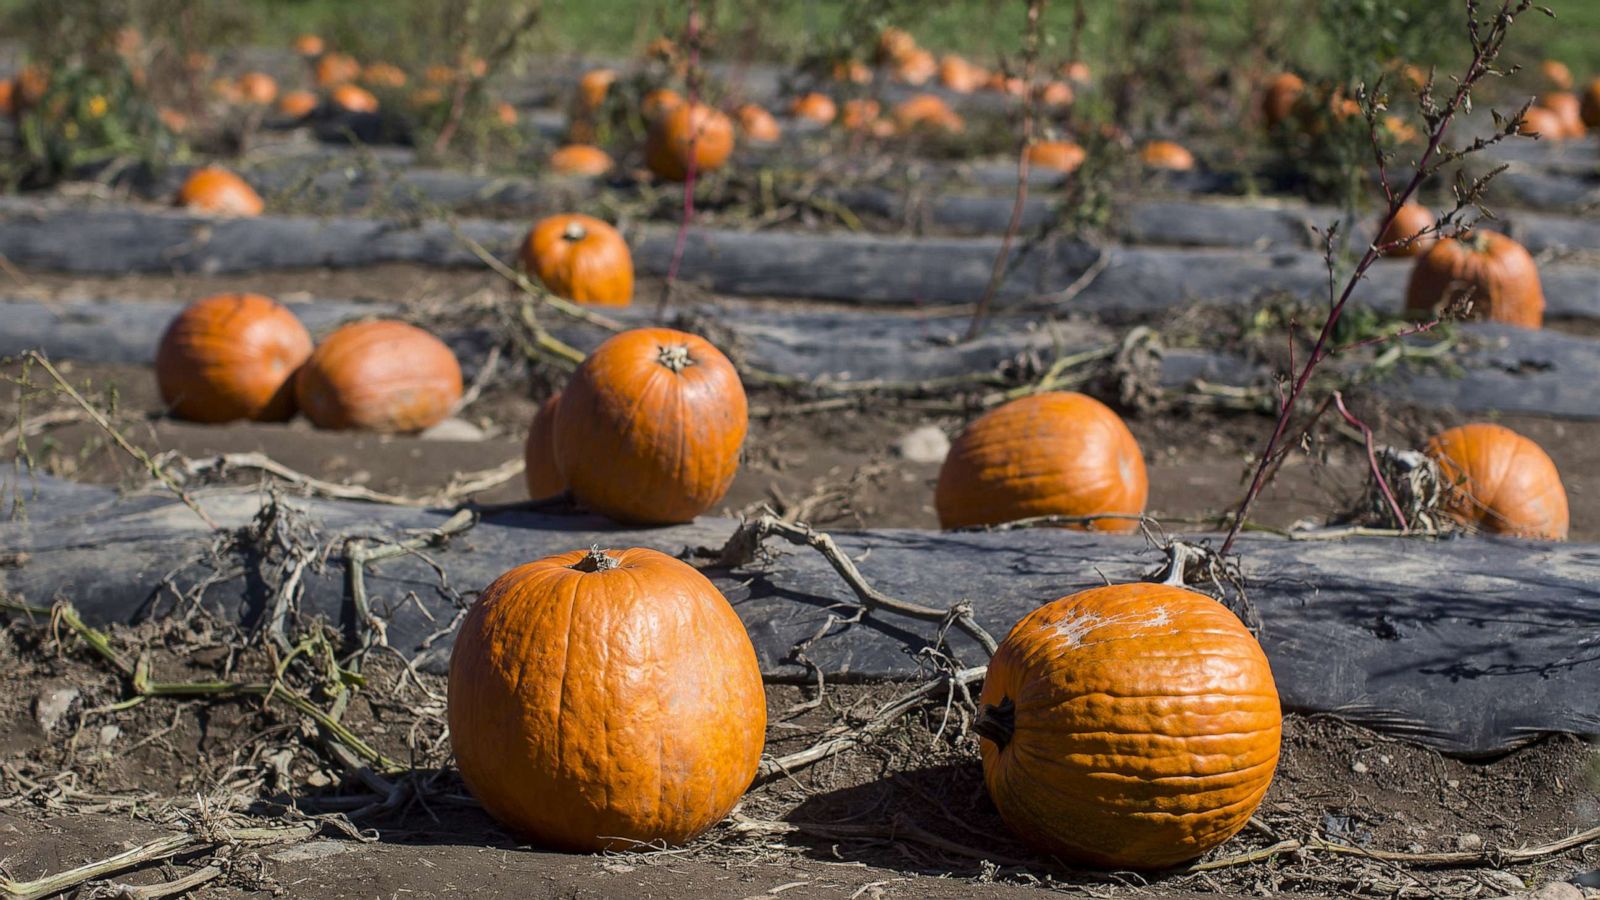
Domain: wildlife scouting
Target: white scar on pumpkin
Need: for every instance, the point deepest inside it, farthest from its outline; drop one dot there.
(1073, 629)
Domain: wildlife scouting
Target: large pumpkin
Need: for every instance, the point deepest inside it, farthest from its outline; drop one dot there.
(379, 376)
(334, 69)
(1497, 480)
(543, 475)
(605, 700)
(229, 357)
(581, 258)
(1409, 221)
(1063, 156)
(258, 88)
(1166, 155)
(658, 103)
(1057, 453)
(1501, 277)
(219, 192)
(1568, 110)
(916, 68)
(927, 111)
(649, 428)
(581, 159)
(1282, 93)
(688, 128)
(353, 99)
(1545, 124)
(1133, 726)
(959, 75)
(1589, 105)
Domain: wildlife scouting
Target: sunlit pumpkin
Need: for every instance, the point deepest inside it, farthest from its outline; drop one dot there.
(383, 75)
(917, 68)
(859, 113)
(1492, 270)
(334, 69)
(959, 75)
(258, 88)
(1556, 74)
(581, 258)
(1409, 221)
(1167, 155)
(1542, 123)
(1590, 104)
(297, 104)
(658, 103)
(539, 453)
(927, 111)
(814, 107)
(216, 191)
(353, 99)
(895, 44)
(1056, 94)
(1132, 726)
(1063, 156)
(1056, 453)
(379, 376)
(605, 700)
(593, 87)
(649, 427)
(1568, 110)
(758, 125)
(1282, 93)
(690, 131)
(581, 159)
(230, 357)
(1498, 481)
(308, 45)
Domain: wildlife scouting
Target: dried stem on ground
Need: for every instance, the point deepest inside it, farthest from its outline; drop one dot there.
(460, 489)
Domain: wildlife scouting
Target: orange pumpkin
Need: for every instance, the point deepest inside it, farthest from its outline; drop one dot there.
(697, 129)
(231, 356)
(959, 75)
(927, 111)
(1077, 71)
(1543, 123)
(1590, 105)
(1409, 221)
(308, 45)
(353, 99)
(226, 90)
(258, 88)
(1568, 109)
(593, 87)
(8, 97)
(197, 61)
(860, 113)
(658, 103)
(297, 104)
(439, 75)
(1399, 129)
(175, 122)
(1556, 74)
(379, 376)
(916, 68)
(383, 75)
(1133, 726)
(543, 475)
(334, 69)
(758, 125)
(1002, 83)
(581, 258)
(1277, 102)
(814, 107)
(853, 71)
(1414, 75)
(1166, 155)
(1063, 156)
(581, 159)
(649, 428)
(1056, 93)
(1057, 453)
(1502, 279)
(422, 98)
(1499, 481)
(505, 114)
(216, 191)
(605, 700)
(895, 44)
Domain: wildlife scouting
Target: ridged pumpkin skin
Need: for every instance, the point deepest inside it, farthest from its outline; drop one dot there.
(581, 159)
(667, 147)
(379, 376)
(542, 474)
(1166, 155)
(229, 357)
(596, 708)
(1409, 221)
(1144, 726)
(649, 428)
(1059, 453)
(219, 192)
(581, 258)
(1502, 276)
(1063, 156)
(1499, 481)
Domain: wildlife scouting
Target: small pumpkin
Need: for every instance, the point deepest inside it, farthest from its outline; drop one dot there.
(1589, 106)
(334, 69)
(1077, 72)
(439, 75)
(814, 107)
(649, 427)
(658, 103)
(216, 191)
(1057, 453)
(258, 88)
(1399, 130)
(1167, 155)
(542, 473)
(383, 75)
(605, 700)
(689, 128)
(593, 86)
(917, 68)
(8, 97)
(424, 97)
(1499, 481)
(581, 159)
(580, 258)
(1063, 156)
(174, 121)
(1556, 74)
(1280, 97)
(1056, 94)
(229, 357)
(379, 376)
(860, 113)
(1500, 275)
(895, 44)
(353, 99)
(1409, 221)
(1001, 83)
(852, 71)
(929, 112)
(959, 75)
(226, 90)
(505, 114)
(1133, 726)
(1568, 109)
(308, 45)
(1543, 123)
(758, 125)
(297, 104)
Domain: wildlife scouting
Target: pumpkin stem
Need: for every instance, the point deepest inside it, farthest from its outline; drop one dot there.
(997, 723)
(596, 560)
(675, 357)
(574, 231)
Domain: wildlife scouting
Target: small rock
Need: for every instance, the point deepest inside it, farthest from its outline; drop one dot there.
(1383, 758)
(617, 868)
(1358, 767)
(1453, 784)
(51, 707)
(927, 444)
(453, 430)
(109, 734)
(1506, 881)
(318, 779)
(1557, 890)
(1468, 842)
